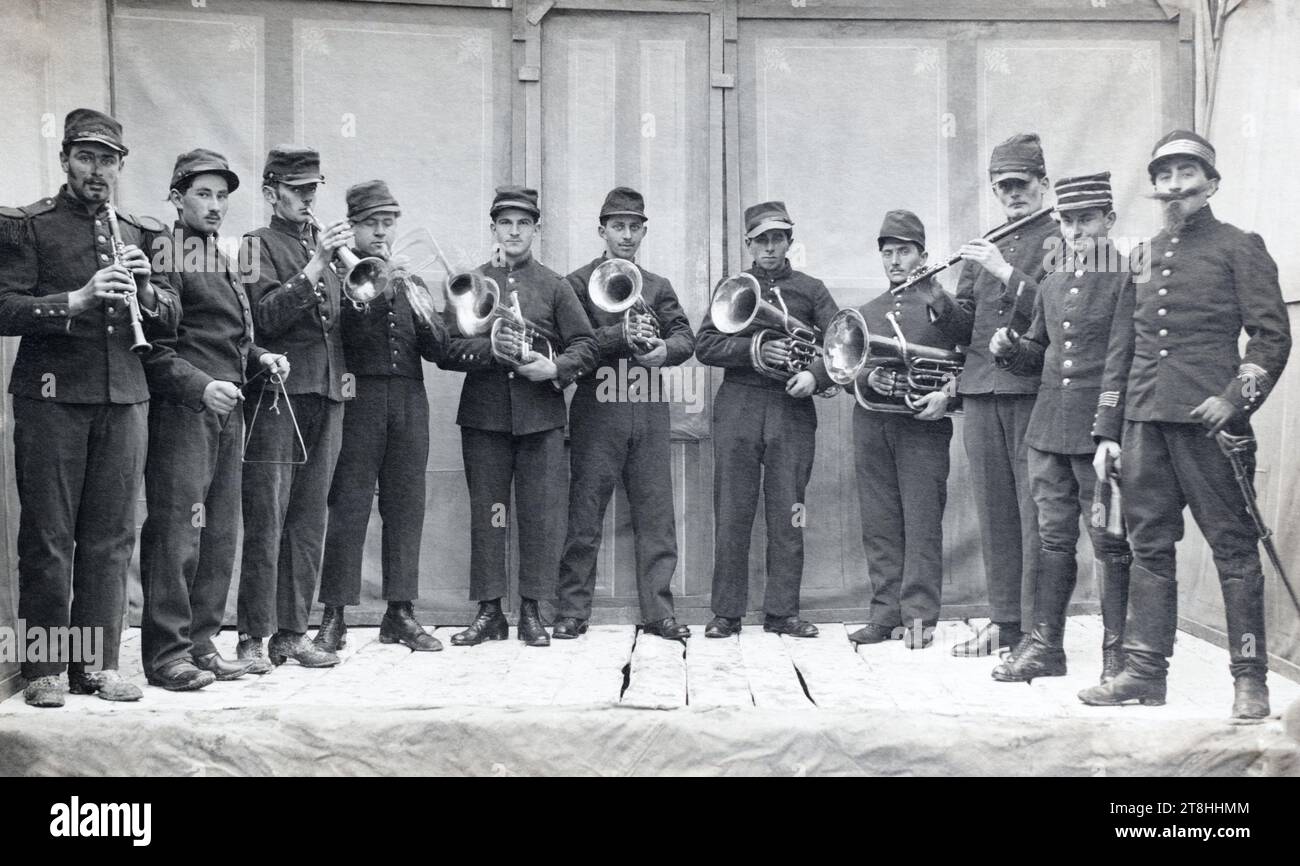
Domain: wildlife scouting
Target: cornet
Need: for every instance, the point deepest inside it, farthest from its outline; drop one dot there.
(475, 301)
(615, 287)
(364, 279)
(738, 306)
(851, 352)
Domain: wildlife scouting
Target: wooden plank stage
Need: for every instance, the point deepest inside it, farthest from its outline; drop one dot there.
(637, 703)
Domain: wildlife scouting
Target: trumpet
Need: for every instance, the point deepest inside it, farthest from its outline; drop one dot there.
(364, 278)
(851, 352)
(615, 287)
(139, 344)
(475, 302)
(738, 306)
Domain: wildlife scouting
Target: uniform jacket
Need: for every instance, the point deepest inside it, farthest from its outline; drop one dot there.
(808, 301)
(1174, 339)
(293, 317)
(1066, 343)
(983, 305)
(657, 291)
(385, 339)
(493, 397)
(912, 307)
(214, 339)
(54, 247)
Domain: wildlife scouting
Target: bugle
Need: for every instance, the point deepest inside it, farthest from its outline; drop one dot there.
(912, 370)
(139, 344)
(475, 302)
(364, 279)
(615, 286)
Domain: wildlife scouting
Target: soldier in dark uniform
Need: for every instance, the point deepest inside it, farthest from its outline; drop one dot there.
(765, 431)
(80, 402)
(194, 470)
(385, 440)
(512, 425)
(296, 298)
(611, 440)
(901, 461)
(997, 288)
(1172, 371)
(1066, 344)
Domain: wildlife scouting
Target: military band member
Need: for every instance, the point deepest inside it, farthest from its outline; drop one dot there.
(385, 440)
(997, 288)
(80, 401)
(296, 298)
(196, 436)
(764, 431)
(1173, 372)
(901, 461)
(624, 440)
(1066, 344)
(511, 421)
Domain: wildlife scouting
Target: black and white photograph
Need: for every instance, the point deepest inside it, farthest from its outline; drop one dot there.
(650, 388)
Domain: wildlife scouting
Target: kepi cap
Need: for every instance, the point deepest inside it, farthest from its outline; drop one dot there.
(625, 201)
(514, 196)
(202, 161)
(1084, 191)
(766, 216)
(369, 197)
(1020, 156)
(1183, 142)
(292, 165)
(902, 225)
(87, 124)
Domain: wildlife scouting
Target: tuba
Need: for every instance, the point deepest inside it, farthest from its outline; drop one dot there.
(738, 307)
(363, 279)
(851, 352)
(615, 287)
(475, 302)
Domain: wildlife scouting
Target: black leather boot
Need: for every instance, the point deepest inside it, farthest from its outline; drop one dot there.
(250, 649)
(223, 669)
(989, 640)
(285, 645)
(333, 633)
(400, 626)
(531, 631)
(1243, 606)
(1043, 655)
(1149, 631)
(1114, 570)
(489, 624)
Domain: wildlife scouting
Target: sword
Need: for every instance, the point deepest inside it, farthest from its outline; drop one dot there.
(1233, 447)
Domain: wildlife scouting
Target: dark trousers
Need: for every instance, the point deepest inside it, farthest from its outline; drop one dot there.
(1167, 466)
(902, 471)
(1063, 487)
(285, 512)
(187, 547)
(385, 440)
(608, 442)
(535, 465)
(760, 436)
(994, 436)
(78, 470)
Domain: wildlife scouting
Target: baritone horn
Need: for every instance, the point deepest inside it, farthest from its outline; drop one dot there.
(738, 307)
(615, 286)
(475, 302)
(364, 279)
(912, 370)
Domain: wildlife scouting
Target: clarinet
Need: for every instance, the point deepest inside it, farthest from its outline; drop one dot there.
(139, 344)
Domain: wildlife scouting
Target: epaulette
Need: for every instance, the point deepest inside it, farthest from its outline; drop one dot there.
(144, 223)
(38, 207)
